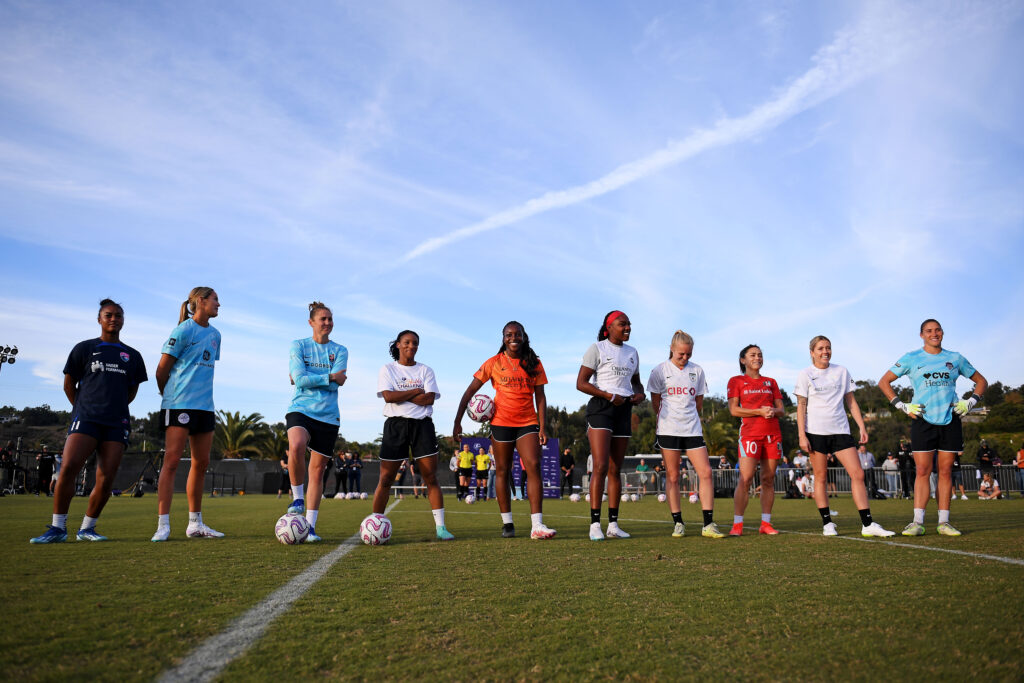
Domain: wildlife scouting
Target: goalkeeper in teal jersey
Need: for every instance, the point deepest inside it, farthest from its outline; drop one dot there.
(317, 368)
(935, 411)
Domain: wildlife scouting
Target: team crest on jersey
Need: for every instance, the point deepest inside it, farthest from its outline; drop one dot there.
(949, 366)
(767, 383)
(124, 356)
(206, 355)
(330, 357)
(693, 376)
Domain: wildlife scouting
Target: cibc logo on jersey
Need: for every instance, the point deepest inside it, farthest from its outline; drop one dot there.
(681, 391)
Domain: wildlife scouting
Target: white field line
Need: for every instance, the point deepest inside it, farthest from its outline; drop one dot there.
(209, 659)
(951, 551)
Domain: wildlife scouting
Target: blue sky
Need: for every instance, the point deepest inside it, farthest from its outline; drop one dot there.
(748, 172)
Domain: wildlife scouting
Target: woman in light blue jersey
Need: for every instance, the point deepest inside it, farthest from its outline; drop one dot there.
(185, 380)
(317, 368)
(936, 411)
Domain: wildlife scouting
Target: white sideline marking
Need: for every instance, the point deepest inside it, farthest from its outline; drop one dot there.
(209, 659)
(951, 551)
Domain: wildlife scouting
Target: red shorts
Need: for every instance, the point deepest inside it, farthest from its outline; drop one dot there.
(766, 447)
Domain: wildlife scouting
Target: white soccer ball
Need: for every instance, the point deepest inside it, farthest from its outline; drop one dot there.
(480, 408)
(661, 498)
(339, 496)
(633, 497)
(575, 497)
(291, 529)
(362, 496)
(375, 530)
(353, 495)
(694, 498)
(470, 499)
(625, 497)
(587, 497)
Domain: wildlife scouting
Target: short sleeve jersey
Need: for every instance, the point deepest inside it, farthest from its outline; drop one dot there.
(679, 389)
(613, 366)
(934, 379)
(465, 459)
(483, 461)
(825, 391)
(397, 377)
(106, 374)
(190, 385)
(309, 365)
(753, 394)
(513, 390)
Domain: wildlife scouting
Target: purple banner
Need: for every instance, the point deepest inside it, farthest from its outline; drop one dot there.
(550, 472)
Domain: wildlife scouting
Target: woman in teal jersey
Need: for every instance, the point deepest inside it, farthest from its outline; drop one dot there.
(185, 380)
(317, 368)
(936, 411)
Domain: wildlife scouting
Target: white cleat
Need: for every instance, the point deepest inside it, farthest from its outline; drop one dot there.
(874, 529)
(614, 531)
(963, 497)
(200, 530)
(595, 532)
(830, 529)
(542, 533)
(162, 534)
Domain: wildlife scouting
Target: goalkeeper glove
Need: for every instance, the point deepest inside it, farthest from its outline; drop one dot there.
(964, 406)
(911, 409)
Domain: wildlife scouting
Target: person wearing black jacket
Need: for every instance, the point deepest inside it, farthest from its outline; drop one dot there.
(908, 470)
(985, 457)
(568, 465)
(355, 473)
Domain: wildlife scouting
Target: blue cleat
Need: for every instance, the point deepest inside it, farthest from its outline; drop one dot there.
(53, 535)
(312, 538)
(90, 535)
(298, 507)
(444, 535)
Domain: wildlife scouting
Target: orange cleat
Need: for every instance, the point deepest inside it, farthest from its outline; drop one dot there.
(767, 528)
(737, 529)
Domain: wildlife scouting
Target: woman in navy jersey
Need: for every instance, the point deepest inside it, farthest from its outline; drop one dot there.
(185, 380)
(101, 378)
(610, 374)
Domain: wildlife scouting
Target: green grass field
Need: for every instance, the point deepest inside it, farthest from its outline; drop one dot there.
(486, 608)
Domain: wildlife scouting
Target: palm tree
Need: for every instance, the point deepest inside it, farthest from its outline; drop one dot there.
(274, 444)
(236, 436)
(719, 436)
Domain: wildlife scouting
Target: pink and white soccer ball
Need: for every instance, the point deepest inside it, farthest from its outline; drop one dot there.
(362, 496)
(470, 499)
(587, 497)
(375, 530)
(480, 408)
(633, 497)
(291, 529)
(661, 498)
(625, 497)
(694, 498)
(575, 497)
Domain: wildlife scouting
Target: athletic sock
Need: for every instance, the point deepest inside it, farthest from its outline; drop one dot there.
(943, 516)
(537, 519)
(163, 520)
(195, 517)
(298, 491)
(506, 517)
(311, 516)
(88, 522)
(613, 515)
(438, 516)
(478, 493)
(677, 517)
(737, 519)
(595, 516)
(918, 515)
(709, 516)
(826, 515)
(60, 521)
(766, 518)
(865, 516)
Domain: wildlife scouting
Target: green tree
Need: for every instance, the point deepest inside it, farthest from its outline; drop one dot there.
(274, 442)
(237, 436)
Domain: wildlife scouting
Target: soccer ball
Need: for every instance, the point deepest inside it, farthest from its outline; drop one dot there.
(587, 497)
(694, 498)
(661, 497)
(339, 496)
(575, 497)
(291, 529)
(375, 530)
(625, 497)
(633, 497)
(470, 499)
(362, 496)
(480, 408)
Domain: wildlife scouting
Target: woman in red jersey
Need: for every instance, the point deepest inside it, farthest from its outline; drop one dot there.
(758, 401)
(518, 379)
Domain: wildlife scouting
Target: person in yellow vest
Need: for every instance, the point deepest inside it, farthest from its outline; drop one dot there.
(483, 465)
(465, 471)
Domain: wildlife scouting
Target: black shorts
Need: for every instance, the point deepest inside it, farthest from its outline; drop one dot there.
(322, 435)
(195, 421)
(926, 437)
(603, 414)
(101, 432)
(466, 472)
(481, 475)
(678, 443)
(512, 434)
(831, 443)
(402, 434)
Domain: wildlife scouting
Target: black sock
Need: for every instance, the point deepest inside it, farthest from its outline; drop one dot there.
(865, 516)
(708, 516)
(478, 494)
(826, 515)
(595, 516)
(677, 517)
(613, 514)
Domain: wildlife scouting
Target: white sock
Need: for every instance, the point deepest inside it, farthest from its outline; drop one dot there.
(438, 516)
(60, 521)
(737, 519)
(163, 520)
(536, 519)
(766, 517)
(943, 516)
(195, 517)
(918, 515)
(88, 522)
(506, 517)
(311, 516)
(298, 492)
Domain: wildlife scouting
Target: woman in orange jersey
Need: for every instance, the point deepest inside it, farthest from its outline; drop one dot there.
(518, 379)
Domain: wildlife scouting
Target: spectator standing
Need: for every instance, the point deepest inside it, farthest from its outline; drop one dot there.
(7, 463)
(958, 478)
(286, 483)
(355, 473)
(659, 471)
(905, 458)
(340, 473)
(891, 467)
(985, 457)
(491, 493)
(644, 471)
(44, 470)
(453, 465)
(568, 465)
(867, 462)
(417, 480)
(1019, 462)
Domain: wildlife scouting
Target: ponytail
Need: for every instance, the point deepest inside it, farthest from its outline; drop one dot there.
(317, 306)
(393, 346)
(679, 337)
(188, 307)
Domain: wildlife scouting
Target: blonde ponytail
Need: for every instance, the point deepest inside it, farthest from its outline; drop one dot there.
(679, 337)
(188, 307)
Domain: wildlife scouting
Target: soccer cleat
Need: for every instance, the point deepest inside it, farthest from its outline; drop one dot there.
(53, 534)
(913, 529)
(444, 535)
(200, 530)
(542, 533)
(830, 529)
(89, 535)
(679, 530)
(947, 529)
(162, 534)
(613, 531)
(595, 532)
(312, 537)
(297, 507)
(963, 497)
(875, 529)
(711, 531)
(767, 529)
(508, 530)
(737, 529)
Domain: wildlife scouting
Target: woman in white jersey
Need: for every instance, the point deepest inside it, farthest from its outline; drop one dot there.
(677, 387)
(317, 367)
(610, 374)
(184, 377)
(409, 390)
(824, 391)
